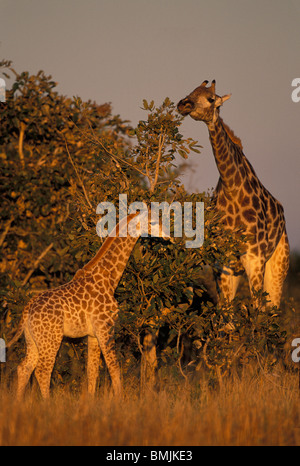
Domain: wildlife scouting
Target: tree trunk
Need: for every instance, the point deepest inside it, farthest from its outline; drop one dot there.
(149, 361)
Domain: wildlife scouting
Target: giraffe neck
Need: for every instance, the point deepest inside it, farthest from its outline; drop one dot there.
(228, 153)
(111, 259)
(115, 259)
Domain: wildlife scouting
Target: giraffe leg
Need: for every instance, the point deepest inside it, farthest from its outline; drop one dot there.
(255, 270)
(93, 364)
(28, 365)
(105, 339)
(276, 270)
(228, 284)
(47, 353)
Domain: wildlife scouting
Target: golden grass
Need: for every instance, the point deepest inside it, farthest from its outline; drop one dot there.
(254, 409)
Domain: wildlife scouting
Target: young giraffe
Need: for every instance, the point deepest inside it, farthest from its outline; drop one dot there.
(244, 202)
(83, 307)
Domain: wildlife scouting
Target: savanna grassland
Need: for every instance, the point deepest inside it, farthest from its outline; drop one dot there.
(252, 409)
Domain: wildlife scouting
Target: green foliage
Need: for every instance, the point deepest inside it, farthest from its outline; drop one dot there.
(59, 158)
(232, 335)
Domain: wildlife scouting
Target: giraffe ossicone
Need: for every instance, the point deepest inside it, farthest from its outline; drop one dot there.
(244, 202)
(85, 306)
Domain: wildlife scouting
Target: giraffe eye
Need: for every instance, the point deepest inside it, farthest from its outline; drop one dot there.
(211, 99)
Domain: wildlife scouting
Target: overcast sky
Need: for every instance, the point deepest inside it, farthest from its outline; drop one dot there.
(122, 51)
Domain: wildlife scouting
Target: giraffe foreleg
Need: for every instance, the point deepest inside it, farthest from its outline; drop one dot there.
(255, 271)
(228, 284)
(106, 341)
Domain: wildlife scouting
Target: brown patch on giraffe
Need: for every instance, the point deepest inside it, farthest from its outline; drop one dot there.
(222, 200)
(238, 222)
(75, 299)
(260, 225)
(273, 209)
(242, 172)
(230, 172)
(230, 209)
(249, 215)
(100, 299)
(237, 179)
(263, 247)
(254, 250)
(255, 202)
(255, 184)
(229, 221)
(247, 187)
(94, 294)
(245, 202)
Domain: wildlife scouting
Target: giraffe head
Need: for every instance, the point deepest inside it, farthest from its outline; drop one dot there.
(203, 103)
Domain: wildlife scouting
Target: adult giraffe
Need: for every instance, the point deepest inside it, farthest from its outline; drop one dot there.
(245, 203)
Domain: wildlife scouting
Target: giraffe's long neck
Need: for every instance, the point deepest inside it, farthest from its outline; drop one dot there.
(228, 154)
(115, 259)
(112, 257)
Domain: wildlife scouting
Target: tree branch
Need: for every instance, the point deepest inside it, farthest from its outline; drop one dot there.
(21, 140)
(115, 158)
(161, 142)
(78, 176)
(37, 263)
(6, 230)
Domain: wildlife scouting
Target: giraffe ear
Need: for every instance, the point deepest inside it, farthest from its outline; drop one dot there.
(220, 100)
(204, 83)
(225, 97)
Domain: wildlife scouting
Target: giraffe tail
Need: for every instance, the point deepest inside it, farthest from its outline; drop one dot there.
(21, 326)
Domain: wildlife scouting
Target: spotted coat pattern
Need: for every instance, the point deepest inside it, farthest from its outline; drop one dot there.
(85, 306)
(245, 203)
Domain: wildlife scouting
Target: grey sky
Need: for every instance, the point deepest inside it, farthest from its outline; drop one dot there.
(125, 50)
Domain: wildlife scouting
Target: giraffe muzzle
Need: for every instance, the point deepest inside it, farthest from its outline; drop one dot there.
(185, 106)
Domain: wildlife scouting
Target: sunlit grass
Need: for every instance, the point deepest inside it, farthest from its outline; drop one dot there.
(253, 409)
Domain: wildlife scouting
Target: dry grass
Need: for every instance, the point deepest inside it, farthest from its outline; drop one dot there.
(254, 409)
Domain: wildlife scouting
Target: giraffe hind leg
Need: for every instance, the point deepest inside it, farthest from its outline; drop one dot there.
(276, 271)
(93, 364)
(28, 365)
(48, 348)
